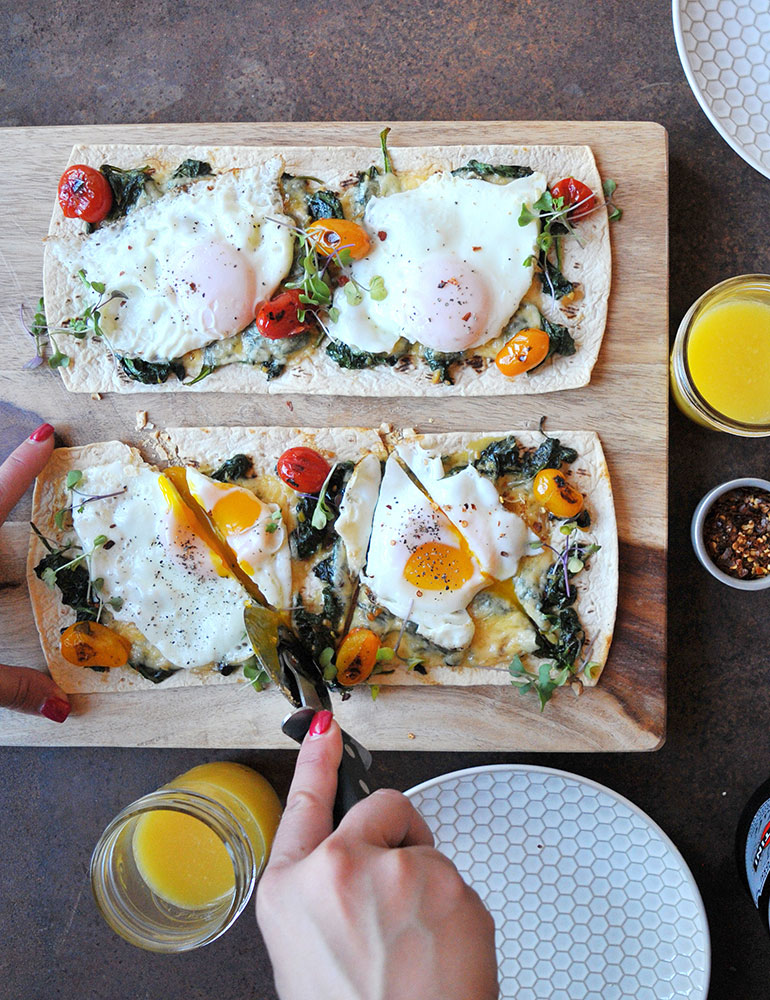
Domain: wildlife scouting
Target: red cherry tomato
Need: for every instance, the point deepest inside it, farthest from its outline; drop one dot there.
(575, 193)
(303, 469)
(84, 193)
(278, 318)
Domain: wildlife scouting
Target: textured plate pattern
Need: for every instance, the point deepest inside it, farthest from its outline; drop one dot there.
(591, 900)
(724, 46)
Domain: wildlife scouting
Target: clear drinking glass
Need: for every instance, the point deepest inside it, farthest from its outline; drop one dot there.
(143, 913)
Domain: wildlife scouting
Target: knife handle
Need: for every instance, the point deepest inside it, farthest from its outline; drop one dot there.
(353, 780)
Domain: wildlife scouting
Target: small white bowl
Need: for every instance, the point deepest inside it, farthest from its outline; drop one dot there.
(696, 534)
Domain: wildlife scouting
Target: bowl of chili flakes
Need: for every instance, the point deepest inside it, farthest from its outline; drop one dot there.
(730, 533)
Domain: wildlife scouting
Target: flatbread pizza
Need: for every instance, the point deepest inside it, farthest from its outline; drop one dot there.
(413, 271)
(398, 558)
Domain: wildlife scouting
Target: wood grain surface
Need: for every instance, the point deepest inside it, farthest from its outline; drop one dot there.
(626, 403)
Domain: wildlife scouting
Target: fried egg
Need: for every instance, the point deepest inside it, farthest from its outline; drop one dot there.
(451, 253)
(172, 585)
(253, 529)
(194, 264)
(431, 552)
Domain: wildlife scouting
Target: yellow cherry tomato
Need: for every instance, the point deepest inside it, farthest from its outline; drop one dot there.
(557, 494)
(525, 350)
(89, 644)
(356, 656)
(331, 236)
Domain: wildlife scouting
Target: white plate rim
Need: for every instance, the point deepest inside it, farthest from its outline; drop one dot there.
(684, 58)
(580, 780)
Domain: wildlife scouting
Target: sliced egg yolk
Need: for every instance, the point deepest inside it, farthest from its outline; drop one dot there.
(447, 306)
(438, 566)
(237, 511)
(216, 285)
(185, 535)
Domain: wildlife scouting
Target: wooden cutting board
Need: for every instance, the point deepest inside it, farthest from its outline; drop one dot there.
(626, 403)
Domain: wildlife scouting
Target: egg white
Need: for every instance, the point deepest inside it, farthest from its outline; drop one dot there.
(404, 519)
(354, 523)
(193, 264)
(447, 219)
(168, 581)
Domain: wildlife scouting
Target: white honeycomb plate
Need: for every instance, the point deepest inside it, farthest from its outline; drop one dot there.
(591, 900)
(724, 47)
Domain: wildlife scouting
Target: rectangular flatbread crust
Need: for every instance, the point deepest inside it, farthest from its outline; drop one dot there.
(208, 447)
(92, 368)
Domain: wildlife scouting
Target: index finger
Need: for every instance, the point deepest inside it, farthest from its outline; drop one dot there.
(307, 818)
(21, 467)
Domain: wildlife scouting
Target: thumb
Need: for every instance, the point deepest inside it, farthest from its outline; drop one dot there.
(29, 690)
(21, 467)
(307, 818)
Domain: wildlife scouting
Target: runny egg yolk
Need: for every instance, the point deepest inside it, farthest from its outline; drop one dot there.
(237, 511)
(448, 309)
(216, 286)
(438, 566)
(184, 530)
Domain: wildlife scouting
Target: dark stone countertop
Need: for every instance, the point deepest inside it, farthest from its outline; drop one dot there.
(185, 61)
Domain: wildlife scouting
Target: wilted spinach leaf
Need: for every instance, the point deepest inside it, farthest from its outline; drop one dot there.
(192, 168)
(324, 205)
(155, 674)
(348, 357)
(73, 584)
(441, 362)
(151, 372)
(474, 168)
(127, 186)
(237, 467)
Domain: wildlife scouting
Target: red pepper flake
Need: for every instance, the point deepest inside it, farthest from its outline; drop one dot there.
(343, 280)
(736, 533)
(466, 317)
(475, 249)
(382, 235)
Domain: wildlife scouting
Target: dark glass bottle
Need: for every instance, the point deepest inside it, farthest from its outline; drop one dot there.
(752, 849)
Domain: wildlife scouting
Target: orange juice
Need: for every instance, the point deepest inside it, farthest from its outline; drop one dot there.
(720, 362)
(728, 353)
(184, 861)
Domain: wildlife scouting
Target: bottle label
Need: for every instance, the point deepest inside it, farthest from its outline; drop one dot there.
(757, 858)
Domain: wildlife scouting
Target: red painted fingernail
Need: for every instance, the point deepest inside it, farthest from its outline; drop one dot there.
(321, 722)
(43, 432)
(55, 709)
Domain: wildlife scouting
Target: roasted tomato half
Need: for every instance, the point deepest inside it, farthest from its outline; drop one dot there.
(84, 193)
(303, 469)
(557, 494)
(356, 656)
(89, 644)
(332, 236)
(575, 193)
(524, 351)
(278, 319)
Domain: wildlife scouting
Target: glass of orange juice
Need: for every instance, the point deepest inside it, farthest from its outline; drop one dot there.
(176, 868)
(720, 362)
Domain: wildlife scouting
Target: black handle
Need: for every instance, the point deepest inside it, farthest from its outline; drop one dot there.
(353, 780)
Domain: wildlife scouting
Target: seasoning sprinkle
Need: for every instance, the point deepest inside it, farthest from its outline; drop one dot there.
(736, 533)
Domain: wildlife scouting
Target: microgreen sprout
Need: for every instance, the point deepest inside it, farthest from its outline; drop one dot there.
(547, 679)
(79, 327)
(258, 678)
(323, 513)
(385, 154)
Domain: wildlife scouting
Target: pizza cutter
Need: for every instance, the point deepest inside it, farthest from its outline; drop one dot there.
(299, 678)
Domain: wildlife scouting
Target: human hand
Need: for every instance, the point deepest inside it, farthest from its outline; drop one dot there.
(370, 911)
(23, 688)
